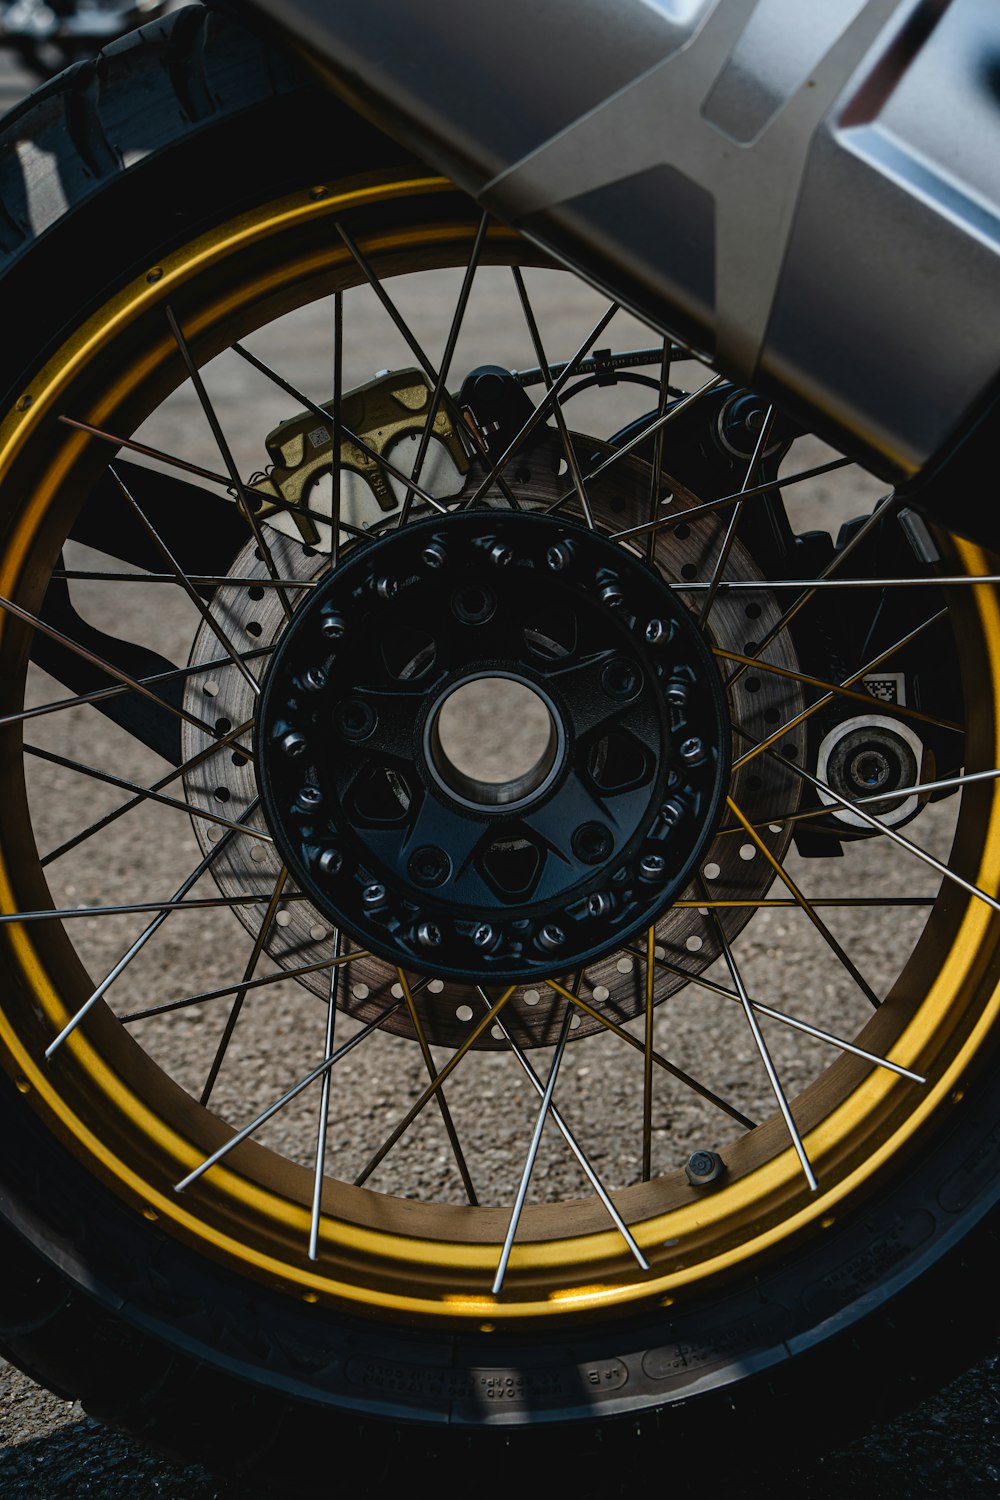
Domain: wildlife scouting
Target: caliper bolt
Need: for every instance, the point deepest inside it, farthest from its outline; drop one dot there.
(332, 625)
(551, 936)
(355, 719)
(429, 866)
(557, 557)
(693, 751)
(374, 894)
(293, 743)
(434, 555)
(652, 866)
(484, 935)
(501, 556)
(704, 1167)
(429, 935)
(592, 842)
(659, 631)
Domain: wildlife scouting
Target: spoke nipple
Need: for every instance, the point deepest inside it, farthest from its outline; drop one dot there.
(551, 936)
(386, 587)
(704, 1167)
(293, 743)
(658, 632)
(484, 935)
(501, 556)
(434, 555)
(332, 625)
(429, 866)
(374, 894)
(558, 557)
(592, 842)
(693, 751)
(429, 935)
(330, 862)
(652, 867)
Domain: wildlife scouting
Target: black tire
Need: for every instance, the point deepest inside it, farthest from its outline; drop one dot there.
(168, 135)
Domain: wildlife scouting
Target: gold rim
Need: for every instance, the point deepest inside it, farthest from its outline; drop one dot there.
(137, 1130)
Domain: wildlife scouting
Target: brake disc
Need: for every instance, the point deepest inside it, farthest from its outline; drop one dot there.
(732, 868)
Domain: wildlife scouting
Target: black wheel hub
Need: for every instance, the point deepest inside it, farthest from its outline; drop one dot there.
(589, 831)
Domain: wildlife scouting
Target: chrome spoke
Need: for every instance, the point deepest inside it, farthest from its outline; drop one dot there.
(536, 1140)
(251, 984)
(647, 1062)
(336, 435)
(445, 1112)
(200, 580)
(656, 481)
(287, 1097)
(570, 1139)
(133, 908)
(324, 1106)
(760, 447)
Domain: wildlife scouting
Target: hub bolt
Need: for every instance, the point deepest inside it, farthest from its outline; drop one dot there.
(386, 587)
(484, 935)
(659, 631)
(676, 692)
(293, 743)
(599, 904)
(551, 936)
(557, 557)
(330, 862)
(355, 719)
(434, 555)
(429, 866)
(672, 813)
(592, 842)
(652, 866)
(611, 595)
(310, 796)
(621, 679)
(374, 894)
(429, 935)
(693, 751)
(501, 556)
(333, 626)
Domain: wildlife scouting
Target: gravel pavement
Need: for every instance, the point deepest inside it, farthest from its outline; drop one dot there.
(48, 1448)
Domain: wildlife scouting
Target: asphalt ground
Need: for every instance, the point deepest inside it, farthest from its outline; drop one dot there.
(946, 1446)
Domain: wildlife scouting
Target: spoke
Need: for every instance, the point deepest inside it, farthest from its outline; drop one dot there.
(324, 1104)
(710, 506)
(814, 585)
(919, 788)
(200, 580)
(229, 738)
(876, 661)
(241, 993)
(144, 792)
(324, 416)
(647, 1070)
(295, 508)
(765, 1056)
(134, 908)
(834, 689)
(788, 901)
(99, 695)
(286, 1098)
(763, 437)
(879, 514)
(199, 603)
(336, 434)
(432, 1088)
(445, 366)
(134, 684)
(890, 833)
(560, 416)
(446, 1116)
(806, 905)
(222, 443)
(546, 404)
(252, 984)
(787, 1020)
(143, 938)
(656, 480)
(658, 1058)
(570, 1140)
(536, 1140)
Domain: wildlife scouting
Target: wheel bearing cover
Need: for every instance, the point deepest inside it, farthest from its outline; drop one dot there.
(553, 870)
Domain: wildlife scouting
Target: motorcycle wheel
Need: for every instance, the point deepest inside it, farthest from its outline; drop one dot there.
(224, 1312)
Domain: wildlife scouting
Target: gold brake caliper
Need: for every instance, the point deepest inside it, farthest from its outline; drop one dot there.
(390, 407)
